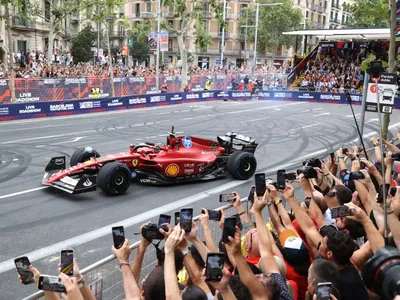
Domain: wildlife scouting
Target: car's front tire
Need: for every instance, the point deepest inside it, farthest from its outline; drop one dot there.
(241, 165)
(114, 178)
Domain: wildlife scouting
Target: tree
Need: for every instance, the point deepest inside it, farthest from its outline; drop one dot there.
(368, 13)
(273, 20)
(190, 15)
(100, 11)
(82, 44)
(139, 49)
(16, 10)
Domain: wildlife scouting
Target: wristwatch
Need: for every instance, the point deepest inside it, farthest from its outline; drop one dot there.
(377, 144)
(81, 282)
(184, 252)
(277, 201)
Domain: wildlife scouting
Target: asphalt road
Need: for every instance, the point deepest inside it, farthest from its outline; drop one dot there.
(40, 222)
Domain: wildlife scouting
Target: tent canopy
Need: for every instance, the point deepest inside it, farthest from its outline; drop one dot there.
(345, 33)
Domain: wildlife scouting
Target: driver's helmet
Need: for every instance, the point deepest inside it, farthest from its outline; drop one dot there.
(88, 154)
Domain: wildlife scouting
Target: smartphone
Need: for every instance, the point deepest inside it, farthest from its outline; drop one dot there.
(67, 262)
(230, 198)
(118, 234)
(345, 150)
(281, 179)
(332, 155)
(380, 193)
(362, 165)
(22, 264)
(393, 191)
(340, 211)
(186, 217)
(177, 217)
(356, 175)
(214, 265)
(260, 184)
(214, 215)
(323, 290)
(164, 219)
(250, 197)
(51, 283)
(229, 228)
(291, 176)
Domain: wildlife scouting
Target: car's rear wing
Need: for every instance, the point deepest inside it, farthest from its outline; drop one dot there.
(241, 138)
(68, 184)
(232, 139)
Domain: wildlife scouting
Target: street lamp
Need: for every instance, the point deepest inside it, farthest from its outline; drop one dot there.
(158, 43)
(255, 36)
(223, 33)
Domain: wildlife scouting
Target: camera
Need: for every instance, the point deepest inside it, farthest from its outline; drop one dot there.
(312, 162)
(396, 156)
(308, 172)
(381, 273)
(152, 231)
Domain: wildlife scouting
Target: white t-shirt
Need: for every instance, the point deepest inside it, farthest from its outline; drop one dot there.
(328, 218)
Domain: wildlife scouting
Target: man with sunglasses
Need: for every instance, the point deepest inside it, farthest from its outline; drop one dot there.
(251, 245)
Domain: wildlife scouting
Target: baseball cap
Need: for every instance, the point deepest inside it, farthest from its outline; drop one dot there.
(295, 249)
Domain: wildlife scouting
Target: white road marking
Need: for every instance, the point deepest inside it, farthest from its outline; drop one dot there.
(351, 116)
(312, 125)
(15, 159)
(23, 192)
(319, 108)
(372, 120)
(65, 142)
(138, 219)
(322, 114)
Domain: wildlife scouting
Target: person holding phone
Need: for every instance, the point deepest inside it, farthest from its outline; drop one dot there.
(131, 287)
(244, 218)
(204, 222)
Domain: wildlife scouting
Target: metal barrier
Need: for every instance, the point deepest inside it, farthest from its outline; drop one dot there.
(106, 273)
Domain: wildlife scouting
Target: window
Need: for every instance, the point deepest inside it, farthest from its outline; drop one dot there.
(171, 23)
(331, 15)
(312, 17)
(343, 19)
(306, 13)
(298, 2)
(333, 3)
(319, 18)
(148, 7)
(242, 46)
(137, 23)
(170, 44)
(47, 11)
(137, 10)
(323, 20)
(243, 9)
(326, 4)
(336, 17)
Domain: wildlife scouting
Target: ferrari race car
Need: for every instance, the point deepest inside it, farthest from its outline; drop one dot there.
(182, 159)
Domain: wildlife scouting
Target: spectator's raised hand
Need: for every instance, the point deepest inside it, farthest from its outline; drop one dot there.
(223, 284)
(192, 235)
(221, 222)
(145, 242)
(389, 160)
(358, 214)
(355, 166)
(259, 205)
(234, 243)
(174, 239)
(204, 218)
(272, 193)
(237, 202)
(71, 285)
(122, 253)
(288, 192)
(35, 272)
(339, 152)
(306, 185)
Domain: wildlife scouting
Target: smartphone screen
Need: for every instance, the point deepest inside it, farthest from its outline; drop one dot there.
(164, 219)
(229, 198)
(340, 211)
(214, 215)
(380, 193)
(229, 228)
(323, 290)
(67, 262)
(22, 264)
(51, 283)
(332, 155)
(186, 217)
(356, 175)
(118, 236)
(214, 266)
(177, 217)
(260, 184)
(251, 194)
(280, 179)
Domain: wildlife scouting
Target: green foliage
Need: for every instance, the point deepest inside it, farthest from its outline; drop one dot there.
(101, 10)
(203, 39)
(370, 58)
(82, 43)
(141, 31)
(26, 9)
(369, 13)
(140, 49)
(273, 20)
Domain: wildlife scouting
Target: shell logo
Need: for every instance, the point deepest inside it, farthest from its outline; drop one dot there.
(172, 170)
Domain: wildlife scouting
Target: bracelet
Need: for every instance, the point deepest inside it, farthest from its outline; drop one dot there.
(269, 203)
(390, 212)
(242, 213)
(80, 280)
(278, 201)
(81, 283)
(124, 263)
(185, 252)
(377, 144)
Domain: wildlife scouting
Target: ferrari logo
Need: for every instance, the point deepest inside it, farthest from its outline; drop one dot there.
(135, 162)
(172, 170)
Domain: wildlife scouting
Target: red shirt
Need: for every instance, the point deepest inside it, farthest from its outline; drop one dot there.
(300, 280)
(253, 260)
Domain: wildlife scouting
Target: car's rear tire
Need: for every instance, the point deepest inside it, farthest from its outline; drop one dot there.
(114, 178)
(79, 157)
(241, 165)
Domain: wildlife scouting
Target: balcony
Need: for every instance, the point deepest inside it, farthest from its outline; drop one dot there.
(110, 17)
(334, 20)
(317, 8)
(168, 14)
(227, 34)
(22, 23)
(317, 25)
(117, 33)
(230, 16)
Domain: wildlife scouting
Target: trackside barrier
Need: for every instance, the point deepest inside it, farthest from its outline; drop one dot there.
(106, 272)
(64, 108)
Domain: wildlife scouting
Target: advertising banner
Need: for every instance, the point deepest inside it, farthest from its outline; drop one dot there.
(163, 41)
(152, 41)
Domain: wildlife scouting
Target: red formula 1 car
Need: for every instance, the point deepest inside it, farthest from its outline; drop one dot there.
(182, 159)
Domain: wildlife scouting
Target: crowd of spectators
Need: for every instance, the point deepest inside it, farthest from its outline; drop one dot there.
(287, 256)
